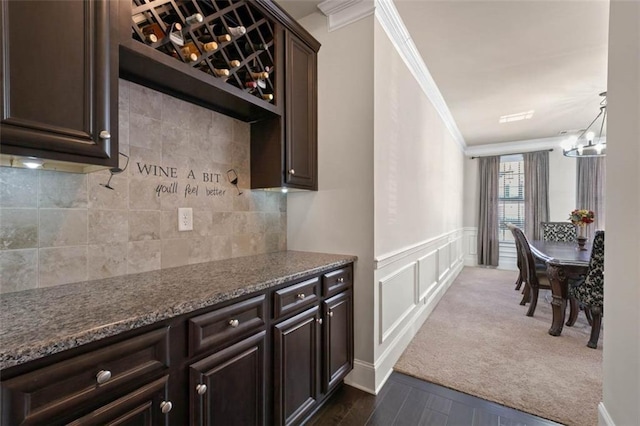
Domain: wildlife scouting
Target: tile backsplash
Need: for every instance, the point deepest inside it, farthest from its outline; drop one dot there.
(58, 227)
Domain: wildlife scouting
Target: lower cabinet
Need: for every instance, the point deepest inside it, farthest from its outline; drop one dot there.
(296, 366)
(272, 357)
(228, 387)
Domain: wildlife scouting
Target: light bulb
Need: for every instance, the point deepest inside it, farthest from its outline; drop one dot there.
(580, 148)
(590, 136)
(599, 147)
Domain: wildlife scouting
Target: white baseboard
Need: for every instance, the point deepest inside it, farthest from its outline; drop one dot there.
(363, 376)
(604, 419)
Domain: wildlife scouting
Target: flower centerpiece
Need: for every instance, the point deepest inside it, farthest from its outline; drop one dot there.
(581, 218)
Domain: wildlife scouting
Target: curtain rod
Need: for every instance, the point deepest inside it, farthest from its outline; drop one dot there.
(513, 153)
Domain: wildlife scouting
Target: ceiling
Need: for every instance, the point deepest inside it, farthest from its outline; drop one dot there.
(496, 58)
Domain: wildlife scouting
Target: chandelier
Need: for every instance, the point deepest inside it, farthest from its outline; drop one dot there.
(588, 143)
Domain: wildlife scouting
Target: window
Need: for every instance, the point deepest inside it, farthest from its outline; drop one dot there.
(510, 195)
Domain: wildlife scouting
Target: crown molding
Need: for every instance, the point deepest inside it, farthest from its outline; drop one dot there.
(388, 16)
(515, 147)
(341, 13)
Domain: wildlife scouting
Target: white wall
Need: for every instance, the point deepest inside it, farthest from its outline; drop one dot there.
(418, 206)
(562, 186)
(621, 357)
(338, 218)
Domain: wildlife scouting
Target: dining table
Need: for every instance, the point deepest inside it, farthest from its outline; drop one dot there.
(565, 261)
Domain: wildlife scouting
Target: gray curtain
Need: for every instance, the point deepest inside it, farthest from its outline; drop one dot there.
(489, 169)
(536, 192)
(590, 184)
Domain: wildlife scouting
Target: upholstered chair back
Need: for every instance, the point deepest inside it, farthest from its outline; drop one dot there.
(558, 231)
(591, 291)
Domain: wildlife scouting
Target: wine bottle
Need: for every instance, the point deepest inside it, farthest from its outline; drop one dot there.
(249, 48)
(152, 31)
(223, 38)
(210, 46)
(237, 31)
(221, 63)
(267, 96)
(196, 18)
(221, 72)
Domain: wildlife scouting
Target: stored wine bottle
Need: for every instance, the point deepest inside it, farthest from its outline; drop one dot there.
(210, 46)
(153, 31)
(221, 72)
(221, 63)
(267, 96)
(249, 48)
(237, 31)
(196, 18)
(223, 38)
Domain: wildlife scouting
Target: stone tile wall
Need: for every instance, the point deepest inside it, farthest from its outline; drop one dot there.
(57, 227)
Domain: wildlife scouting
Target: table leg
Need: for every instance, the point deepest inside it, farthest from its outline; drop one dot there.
(559, 298)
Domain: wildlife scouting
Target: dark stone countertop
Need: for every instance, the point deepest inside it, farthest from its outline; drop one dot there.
(40, 322)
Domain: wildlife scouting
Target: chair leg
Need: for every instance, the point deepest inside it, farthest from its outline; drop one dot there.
(574, 310)
(534, 302)
(519, 281)
(526, 294)
(596, 314)
(587, 313)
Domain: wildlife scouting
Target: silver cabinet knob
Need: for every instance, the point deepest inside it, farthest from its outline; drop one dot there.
(105, 134)
(301, 296)
(234, 323)
(292, 172)
(166, 406)
(340, 280)
(330, 313)
(103, 376)
(319, 320)
(201, 389)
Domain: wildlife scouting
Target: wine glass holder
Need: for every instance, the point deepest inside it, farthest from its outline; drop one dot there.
(195, 23)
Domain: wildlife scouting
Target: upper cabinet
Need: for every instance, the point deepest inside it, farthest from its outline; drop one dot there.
(246, 59)
(59, 82)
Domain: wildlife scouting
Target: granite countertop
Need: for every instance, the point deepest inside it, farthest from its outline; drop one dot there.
(40, 322)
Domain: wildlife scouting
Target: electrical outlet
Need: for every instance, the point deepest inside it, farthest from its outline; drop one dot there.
(185, 219)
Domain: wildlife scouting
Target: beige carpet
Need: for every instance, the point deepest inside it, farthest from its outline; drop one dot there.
(478, 340)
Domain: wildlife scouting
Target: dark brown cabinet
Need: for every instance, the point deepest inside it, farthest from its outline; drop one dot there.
(59, 82)
(296, 360)
(270, 357)
(337, 339)
(229, 386)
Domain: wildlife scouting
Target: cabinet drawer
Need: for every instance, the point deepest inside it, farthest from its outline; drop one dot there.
(210, 330)
(48, 393)
(336, 281)
(294, 297)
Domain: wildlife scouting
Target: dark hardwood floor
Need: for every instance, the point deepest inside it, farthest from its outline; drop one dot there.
(408, 401)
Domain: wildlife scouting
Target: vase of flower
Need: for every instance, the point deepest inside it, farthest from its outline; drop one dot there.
(581, 218)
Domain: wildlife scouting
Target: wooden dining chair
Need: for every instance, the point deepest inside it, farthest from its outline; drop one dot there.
(589, 290)
(519, 260)
(534, 278)
(559, 231)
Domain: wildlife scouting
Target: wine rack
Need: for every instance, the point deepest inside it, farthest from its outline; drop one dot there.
(231, 41)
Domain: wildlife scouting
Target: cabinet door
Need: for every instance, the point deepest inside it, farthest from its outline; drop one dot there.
(59, 80)
(301, 136)
(338, 339)
(295, 352)
(228, 387)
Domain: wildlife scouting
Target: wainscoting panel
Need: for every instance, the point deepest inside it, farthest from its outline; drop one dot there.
(443, 260)
(470, 252)
(427, 275)
(409, 283)
(397, 298)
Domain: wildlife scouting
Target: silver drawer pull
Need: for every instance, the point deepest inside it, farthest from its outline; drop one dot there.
(340, 280)
(301, 296)
(105, 134)
(103, 376)
(234, 323)
(292, 172)
(201, 389)
(319, 320)
(330, 313)
(166, 406)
